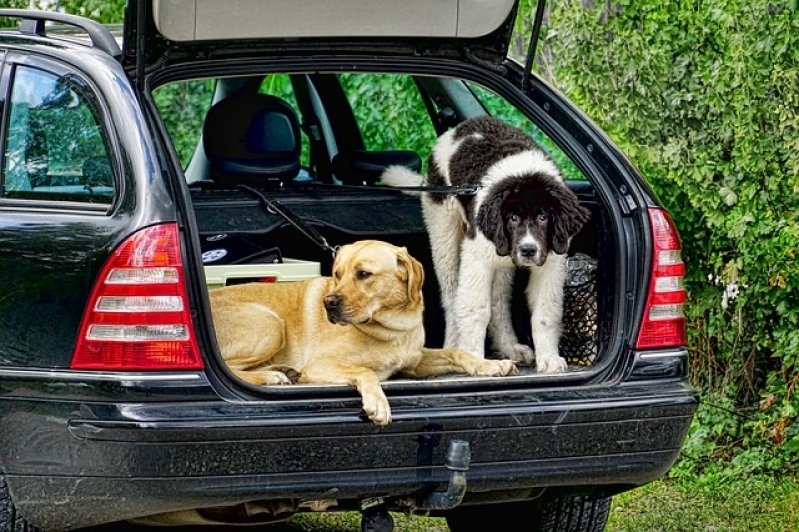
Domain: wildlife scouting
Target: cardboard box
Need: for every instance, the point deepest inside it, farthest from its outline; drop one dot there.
(286, 271)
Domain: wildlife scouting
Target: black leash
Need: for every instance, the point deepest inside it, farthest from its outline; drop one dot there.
(275, 207)
(445, 190)
(298, 223)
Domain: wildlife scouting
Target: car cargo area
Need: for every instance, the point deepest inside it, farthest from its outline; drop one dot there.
(284, 168)
(259, 245)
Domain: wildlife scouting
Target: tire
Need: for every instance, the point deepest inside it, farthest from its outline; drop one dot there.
(10, 521)
(563, 513)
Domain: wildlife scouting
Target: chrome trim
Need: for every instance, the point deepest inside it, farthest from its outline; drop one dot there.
(70, 375)
(661, 354)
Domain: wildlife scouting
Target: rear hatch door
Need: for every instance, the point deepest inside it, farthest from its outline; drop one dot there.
(160, 32)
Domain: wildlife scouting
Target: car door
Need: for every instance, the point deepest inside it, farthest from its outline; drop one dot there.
(59, 188)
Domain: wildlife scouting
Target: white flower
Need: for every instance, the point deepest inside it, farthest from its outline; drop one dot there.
(731, 291)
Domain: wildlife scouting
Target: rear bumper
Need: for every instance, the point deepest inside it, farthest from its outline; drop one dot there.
(83, 464)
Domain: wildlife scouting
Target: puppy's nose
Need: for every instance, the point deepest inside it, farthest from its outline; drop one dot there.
(528, 251)
(332, 301)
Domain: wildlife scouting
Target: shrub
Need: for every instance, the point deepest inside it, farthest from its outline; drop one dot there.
(704, 97)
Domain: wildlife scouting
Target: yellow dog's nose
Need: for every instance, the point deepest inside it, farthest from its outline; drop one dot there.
(332, 301)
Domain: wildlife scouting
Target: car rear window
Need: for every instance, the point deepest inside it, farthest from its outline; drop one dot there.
(499, 107)
(55, 146)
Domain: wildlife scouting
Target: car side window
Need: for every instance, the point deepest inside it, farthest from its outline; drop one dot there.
(501, 108)
(184, 105)
(390, 112)
(56, 148)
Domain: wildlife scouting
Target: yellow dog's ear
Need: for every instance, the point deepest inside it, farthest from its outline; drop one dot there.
(415, 273)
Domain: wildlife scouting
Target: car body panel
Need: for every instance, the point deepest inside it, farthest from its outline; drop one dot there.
(175, 456)
(481, 30)
(81, 235)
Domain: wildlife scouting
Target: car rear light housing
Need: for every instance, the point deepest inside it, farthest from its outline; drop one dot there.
(138, 316)
(663, 324)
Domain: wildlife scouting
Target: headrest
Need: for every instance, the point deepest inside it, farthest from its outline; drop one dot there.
(252, 138)
(361, 167)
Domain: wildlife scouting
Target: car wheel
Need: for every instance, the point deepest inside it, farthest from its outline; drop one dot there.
(9, 520)
(567, 513)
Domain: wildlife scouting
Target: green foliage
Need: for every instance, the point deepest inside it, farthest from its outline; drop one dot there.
(704, 97)
(390, 112)
(183, 107)
(105, 11)
(499, 107)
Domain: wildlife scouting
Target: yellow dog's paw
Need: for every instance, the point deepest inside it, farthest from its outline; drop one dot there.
(499, 368)
(376, 407)
(291, 374)
(271, 376)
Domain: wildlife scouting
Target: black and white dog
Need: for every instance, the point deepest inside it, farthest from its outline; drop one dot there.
(523, 215)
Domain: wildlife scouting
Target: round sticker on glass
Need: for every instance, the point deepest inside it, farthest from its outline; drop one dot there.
(214, 255)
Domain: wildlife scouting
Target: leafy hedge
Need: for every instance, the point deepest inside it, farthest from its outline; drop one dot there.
(105, 11)
(704, 97)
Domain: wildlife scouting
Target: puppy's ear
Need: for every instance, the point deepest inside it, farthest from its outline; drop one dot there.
(415, 272)
(490, 223)
(568, 218)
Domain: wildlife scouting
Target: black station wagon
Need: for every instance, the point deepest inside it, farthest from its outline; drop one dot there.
(124, 200)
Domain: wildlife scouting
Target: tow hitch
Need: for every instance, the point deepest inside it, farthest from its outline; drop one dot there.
(458, 457)
(375, 517)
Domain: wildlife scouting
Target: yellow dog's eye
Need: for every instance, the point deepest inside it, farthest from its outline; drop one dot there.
(337, 275)
(363, 274)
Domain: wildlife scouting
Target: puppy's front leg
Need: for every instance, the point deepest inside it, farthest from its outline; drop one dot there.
(434, 362)
(545, 299)
(446, 226)
(473, 299)
(501, 325)
(375, 402)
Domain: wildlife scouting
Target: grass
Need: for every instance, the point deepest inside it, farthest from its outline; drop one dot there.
(757, 505)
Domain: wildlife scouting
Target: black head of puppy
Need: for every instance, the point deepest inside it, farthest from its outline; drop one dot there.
(526, 217)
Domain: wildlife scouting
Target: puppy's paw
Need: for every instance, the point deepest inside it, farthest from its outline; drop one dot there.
(376, 407)
(550, 364)
(519, 353)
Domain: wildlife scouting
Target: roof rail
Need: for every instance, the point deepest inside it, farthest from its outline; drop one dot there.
(33, 21)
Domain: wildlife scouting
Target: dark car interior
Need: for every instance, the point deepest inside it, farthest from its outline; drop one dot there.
(297, 178)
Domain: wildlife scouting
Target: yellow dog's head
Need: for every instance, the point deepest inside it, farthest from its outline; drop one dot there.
(372, 279)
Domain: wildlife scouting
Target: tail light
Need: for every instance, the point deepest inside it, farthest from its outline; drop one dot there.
(138, 315)
(664, 318)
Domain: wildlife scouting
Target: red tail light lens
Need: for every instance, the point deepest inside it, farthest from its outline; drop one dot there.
(664, 318)
(138, 315)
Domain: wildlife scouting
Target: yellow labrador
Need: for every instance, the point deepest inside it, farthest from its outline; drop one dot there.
(359, 327)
